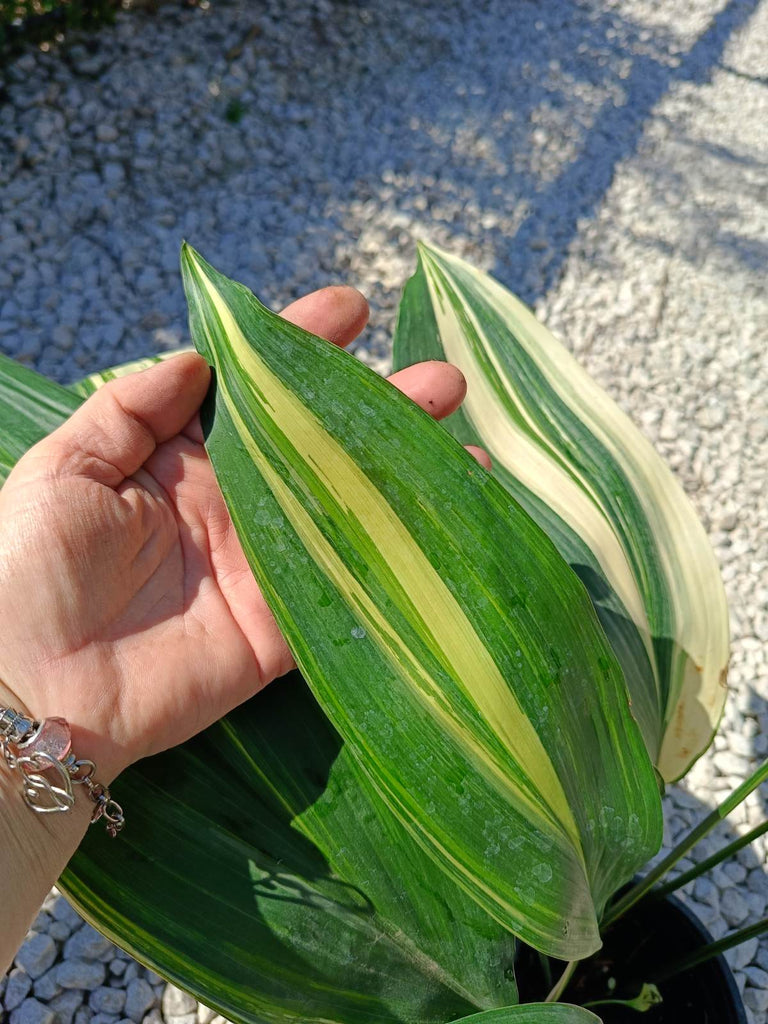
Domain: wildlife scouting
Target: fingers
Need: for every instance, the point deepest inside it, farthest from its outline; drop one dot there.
(438, 388)
(480, 454)
(116, 430)
(337, 313)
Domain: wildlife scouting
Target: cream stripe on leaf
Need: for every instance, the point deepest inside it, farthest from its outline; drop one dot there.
(263, 872)
(564, 450)
(94, 381)
(443, 635)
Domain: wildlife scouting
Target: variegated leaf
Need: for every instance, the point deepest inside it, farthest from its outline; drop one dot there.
(533, 1013)
(31, 406)
(446, 640)
(261, 870)
(569, 455)
(94, 381)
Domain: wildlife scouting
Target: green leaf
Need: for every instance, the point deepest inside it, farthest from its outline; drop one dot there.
(272, 881)
(260, 871)
(576, 463)
(533, 1013)
(445, 639)
(94, 381)
(31, 406)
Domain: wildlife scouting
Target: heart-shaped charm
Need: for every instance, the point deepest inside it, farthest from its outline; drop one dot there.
(46, 795)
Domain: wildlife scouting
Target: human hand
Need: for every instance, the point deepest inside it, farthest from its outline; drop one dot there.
(126, 602)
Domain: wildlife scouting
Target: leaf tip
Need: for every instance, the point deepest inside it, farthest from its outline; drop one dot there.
(188, 256)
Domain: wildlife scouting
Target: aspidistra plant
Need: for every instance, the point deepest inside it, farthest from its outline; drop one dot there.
(459, 763)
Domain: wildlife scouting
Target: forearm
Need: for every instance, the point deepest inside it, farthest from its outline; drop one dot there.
(34, 849)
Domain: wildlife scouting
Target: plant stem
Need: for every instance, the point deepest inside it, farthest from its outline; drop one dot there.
(705, 825)
(700, 956)
(546, 968)
(710, 862)
(562, 982)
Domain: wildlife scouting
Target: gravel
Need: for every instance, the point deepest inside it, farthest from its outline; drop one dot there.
(606, 160)
(37, 954)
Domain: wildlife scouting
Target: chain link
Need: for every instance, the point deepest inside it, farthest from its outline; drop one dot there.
(44, 796)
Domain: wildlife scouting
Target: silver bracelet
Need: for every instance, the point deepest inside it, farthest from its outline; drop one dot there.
(36, 748)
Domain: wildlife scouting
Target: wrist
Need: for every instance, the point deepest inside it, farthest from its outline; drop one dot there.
(52, 775)
(58, 693)
(34, 849)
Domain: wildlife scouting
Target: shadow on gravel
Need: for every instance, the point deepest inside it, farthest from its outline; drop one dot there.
(547, 161)
(514, 163)
(294, 148)
(578, 189)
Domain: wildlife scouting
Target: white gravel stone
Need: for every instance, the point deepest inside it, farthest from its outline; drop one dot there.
(105, 1018)
(756, 999)
(42, 922)
(32, 1012)
(82, 974)
(47, 985)
(107, 1000)
(140, 999)
(734, 907)
(757, 977)
(62, 911)
(729, 763)
(87, 944)
(756, 903)
(132, 971)
(36, 955)
(740, 956)
(107, 133)
(706, 892)
(176, 1002)
(735, 872)
(17, 988)
(59, 930)
(66, 1005)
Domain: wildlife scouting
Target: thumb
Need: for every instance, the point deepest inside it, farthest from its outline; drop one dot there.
(116, 430)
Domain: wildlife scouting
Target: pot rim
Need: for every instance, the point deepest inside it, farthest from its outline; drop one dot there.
(719, 960)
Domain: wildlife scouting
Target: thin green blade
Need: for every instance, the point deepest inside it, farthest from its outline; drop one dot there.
(576, 463)
(31, 406)
(442, 634)
(533, 1013)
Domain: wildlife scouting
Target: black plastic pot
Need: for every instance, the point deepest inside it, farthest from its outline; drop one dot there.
(639, 948)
